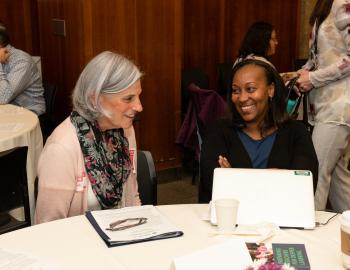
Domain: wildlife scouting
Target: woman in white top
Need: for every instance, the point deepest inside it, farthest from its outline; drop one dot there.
(327, 76)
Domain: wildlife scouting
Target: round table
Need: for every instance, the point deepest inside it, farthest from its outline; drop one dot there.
(21, 127)
(72, 243)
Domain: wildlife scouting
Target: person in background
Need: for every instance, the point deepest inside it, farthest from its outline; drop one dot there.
(89, 161)
(2, 25)
(259, 133)
(326, 76)
(259, 42)
(20, 80)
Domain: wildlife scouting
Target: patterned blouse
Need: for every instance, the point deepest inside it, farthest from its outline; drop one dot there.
(330, 99)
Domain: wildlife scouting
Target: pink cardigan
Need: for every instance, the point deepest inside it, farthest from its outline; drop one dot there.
(62, 177)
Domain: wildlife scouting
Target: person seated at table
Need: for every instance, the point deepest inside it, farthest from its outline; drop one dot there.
(88, 162)
(20, 80)
(259, 43)
(259, 133)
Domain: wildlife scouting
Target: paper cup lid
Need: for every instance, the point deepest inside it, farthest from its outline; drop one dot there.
(345, 217)
(231, 202)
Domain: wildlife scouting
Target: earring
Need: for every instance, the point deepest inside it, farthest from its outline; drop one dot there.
(270, 99)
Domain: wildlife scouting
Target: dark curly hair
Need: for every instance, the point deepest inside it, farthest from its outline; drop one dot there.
(277, 113)
(257, 40)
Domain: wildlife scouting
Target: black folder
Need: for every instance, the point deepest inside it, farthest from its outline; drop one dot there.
(113, 243)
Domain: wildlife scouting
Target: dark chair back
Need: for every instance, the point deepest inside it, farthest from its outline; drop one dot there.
(298, 63)
(47, 120)
(50, 91)
(146, 178)
(224, 78)
(188, 76)
(14, 189)
(204, 107)
(208, 106)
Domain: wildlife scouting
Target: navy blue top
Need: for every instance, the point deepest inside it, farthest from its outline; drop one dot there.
(292, 150)
(258, 150)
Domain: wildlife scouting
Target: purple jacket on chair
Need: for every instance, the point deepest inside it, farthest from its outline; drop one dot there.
(204, 107)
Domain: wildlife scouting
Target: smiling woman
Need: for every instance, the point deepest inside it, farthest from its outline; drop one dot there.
(258, 98)
(258, 133)
(89, 160)
(120, 108)
(250, 95)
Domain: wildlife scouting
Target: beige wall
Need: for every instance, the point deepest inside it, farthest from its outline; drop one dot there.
(306, 7)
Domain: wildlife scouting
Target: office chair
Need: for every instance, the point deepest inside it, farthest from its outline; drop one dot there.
(47, 121)
(14, 190)
(204, 107)
(188, 76)
(224, 78)
(146, 178)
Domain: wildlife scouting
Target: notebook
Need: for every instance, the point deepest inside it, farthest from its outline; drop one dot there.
(284, 197)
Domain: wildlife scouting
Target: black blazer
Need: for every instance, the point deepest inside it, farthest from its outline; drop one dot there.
(293, 149)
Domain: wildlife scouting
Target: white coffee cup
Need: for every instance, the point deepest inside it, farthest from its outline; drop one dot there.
(345, 238)
(226, 214)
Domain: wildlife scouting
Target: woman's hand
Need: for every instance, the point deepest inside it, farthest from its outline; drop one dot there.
(287, 76)
(304, 82)
(223, 162)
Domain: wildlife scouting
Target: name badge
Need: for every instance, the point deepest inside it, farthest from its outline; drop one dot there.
(132, 152)
(81, 182)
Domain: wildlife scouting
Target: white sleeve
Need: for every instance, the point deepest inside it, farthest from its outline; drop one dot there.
(340, 68)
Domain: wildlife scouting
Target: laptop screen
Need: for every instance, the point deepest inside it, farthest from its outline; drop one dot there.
(283, 197)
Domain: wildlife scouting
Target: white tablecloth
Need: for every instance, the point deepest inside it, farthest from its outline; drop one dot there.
(21, 127)
(74, 244)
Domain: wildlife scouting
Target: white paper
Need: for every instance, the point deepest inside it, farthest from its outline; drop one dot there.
(257, 233)
(10, 260)
(229, 255)
(156, 223)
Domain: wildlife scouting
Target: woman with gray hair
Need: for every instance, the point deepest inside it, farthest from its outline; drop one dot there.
(89, 161)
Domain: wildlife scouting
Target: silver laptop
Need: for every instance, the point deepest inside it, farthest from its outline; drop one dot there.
(284, 197)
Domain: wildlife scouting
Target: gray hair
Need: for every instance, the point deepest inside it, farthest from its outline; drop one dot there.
(106, 73)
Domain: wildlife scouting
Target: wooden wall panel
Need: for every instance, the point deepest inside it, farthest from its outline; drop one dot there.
(148, 32)
(159, 51)
(204, 33)
(51, 52)
(21, 20)
(161, 37)
(73, 47)
(280, 13)
(214, 30)
(113, 26)
(64, 57)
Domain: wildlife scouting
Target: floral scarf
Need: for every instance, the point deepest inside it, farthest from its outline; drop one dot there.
(106, 157)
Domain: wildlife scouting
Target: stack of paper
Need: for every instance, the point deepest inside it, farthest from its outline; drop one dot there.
(132, 225)
(229, 255)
